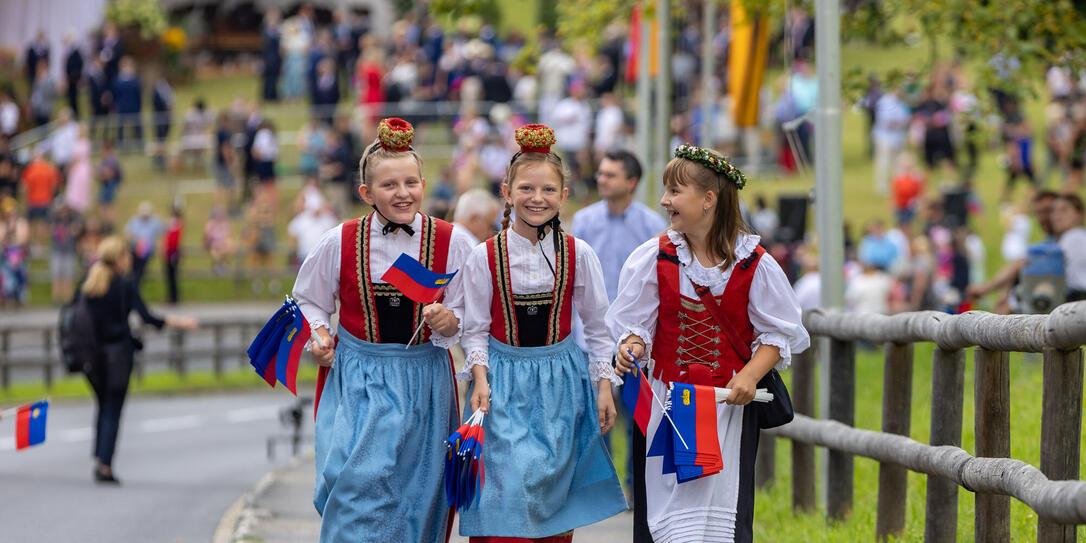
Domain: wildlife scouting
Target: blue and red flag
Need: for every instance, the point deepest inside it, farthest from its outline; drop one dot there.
(693, 408)
(276, 350)
(637, 396)
(416, 281)
(30, 424)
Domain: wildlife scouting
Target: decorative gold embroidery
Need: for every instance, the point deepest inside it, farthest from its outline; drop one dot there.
(541, 298)
(501, 268)
(561, 280)
(692, 306)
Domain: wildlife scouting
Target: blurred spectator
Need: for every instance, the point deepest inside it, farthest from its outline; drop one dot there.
(307, 228)
(225, 161)
(14, 236)
(765, 220)
(9, 170)
(63, 140)
(265, 152)
(73, 71)
(37, 53)
(1016, 227)
(1067, 223)
(310, 197)
(870, 290)
(171, 251)
(66, 229)
(142, 231)
(162, 108)
(261, 237)
(921, 274)
(908, 187)
(808, 287)
(609, 121)
(109, 176)
(100, 95)
(1018, 142)
(955, 299)
(891, 120)
(127, 104)
(80, 173)
(43, 95)
(572, 123)
(271, 35)
(876, 249)
(9, 113)
(367, 83)
(218, 241)
(476, 213)
(318, 51)
(295, 47)
(110, 51)
(310, 143)
(40, 181)
(338, 164)
(326, 91)
(934, 114)
(195, 136)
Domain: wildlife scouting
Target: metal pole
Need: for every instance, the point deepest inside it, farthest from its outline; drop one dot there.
(663, 91)
(644, 114)
(708, 62)
(828, 193)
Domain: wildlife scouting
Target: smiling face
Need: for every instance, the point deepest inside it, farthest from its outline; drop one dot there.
(395, 188)
(536, 194)
(685, 206)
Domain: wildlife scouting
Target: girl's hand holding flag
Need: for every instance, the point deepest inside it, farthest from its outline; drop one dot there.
(629, 352)
(441, 319)
(323, 347)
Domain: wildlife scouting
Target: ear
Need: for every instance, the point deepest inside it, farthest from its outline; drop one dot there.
(565, 194)
(364, 192)
(710, 199)
(506, 193)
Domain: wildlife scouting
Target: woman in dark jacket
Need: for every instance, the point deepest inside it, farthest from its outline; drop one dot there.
(111, 296)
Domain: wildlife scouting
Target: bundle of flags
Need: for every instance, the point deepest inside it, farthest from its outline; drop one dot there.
(275, 352)
(465, 473)
(691, 411)
(29, 424)
(415, 280)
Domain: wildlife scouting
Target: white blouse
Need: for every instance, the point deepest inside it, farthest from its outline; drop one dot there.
(317, 286)
(773, 308)
(529, 274)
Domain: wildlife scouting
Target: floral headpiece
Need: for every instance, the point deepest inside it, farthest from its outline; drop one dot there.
(395, 134)
(712, 161)
(535, 138)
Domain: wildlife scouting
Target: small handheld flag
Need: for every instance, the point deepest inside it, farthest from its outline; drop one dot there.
(30, 424)
(635, 394)
(465, 473)
(276, 350)
(416, 281)
(694, 410)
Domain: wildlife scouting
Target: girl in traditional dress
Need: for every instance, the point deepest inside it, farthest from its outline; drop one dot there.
(383, 408)
(546, 469)
(660, 315)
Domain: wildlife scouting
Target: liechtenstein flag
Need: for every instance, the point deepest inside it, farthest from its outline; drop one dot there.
(637, 395)
(276, 350)
(693, 407)
(290, 351)
(30, 424)
(415, 281)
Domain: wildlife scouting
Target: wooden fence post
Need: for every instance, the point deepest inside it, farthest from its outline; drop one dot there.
(764, 462)
(897, 394)
(47, 368)
(177, 351)
(947, 377)
(218, 356)
(803, 454)
(842, 407)
(992, 424)
(1061, 430)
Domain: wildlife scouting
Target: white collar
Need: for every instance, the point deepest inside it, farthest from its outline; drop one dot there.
(744, 246)
(416, 225)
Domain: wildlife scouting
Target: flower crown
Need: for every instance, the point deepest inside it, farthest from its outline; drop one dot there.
(712, 161)
(535, 138)
(395, 134)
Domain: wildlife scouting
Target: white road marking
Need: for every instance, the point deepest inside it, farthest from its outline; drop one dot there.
(169, 424)
(75, 435)
(250, 414)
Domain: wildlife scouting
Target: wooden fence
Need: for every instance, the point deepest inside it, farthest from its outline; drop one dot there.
(221, 340)
(1053, 491)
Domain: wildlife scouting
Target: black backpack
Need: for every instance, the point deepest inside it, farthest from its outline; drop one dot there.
(77, 335)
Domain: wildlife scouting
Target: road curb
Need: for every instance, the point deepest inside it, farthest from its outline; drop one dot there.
(238, 519)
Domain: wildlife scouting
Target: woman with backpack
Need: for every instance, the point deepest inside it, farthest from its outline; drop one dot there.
(110, 296)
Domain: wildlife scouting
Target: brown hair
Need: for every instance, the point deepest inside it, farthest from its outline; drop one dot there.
(375, 154)
(727, 219)
(522, 159)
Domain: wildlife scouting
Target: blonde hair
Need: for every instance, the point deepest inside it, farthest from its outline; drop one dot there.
(375, 153)
(111, 251)
(727, 219)
(522, 159)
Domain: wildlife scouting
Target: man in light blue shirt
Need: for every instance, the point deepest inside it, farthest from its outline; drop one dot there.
(614, 227)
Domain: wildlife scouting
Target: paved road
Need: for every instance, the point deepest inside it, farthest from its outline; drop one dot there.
(182, 462)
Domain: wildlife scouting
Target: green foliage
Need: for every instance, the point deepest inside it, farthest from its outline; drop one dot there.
(144, 15)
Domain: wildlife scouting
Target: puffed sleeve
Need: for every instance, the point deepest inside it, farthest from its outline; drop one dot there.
(317, 286)
(775, 314)
(477, 291)
(590, 299)
(460, 246)
(637, 303)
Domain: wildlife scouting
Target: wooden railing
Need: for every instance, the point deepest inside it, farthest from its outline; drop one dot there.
(1053, 491)
(220, 340)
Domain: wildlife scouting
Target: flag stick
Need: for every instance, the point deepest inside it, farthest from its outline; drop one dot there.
(662, 409)
(408, 346)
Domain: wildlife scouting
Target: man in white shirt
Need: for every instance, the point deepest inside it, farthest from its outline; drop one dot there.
(476, 214)
(307, 228)
(609, 121)
(572, 123)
